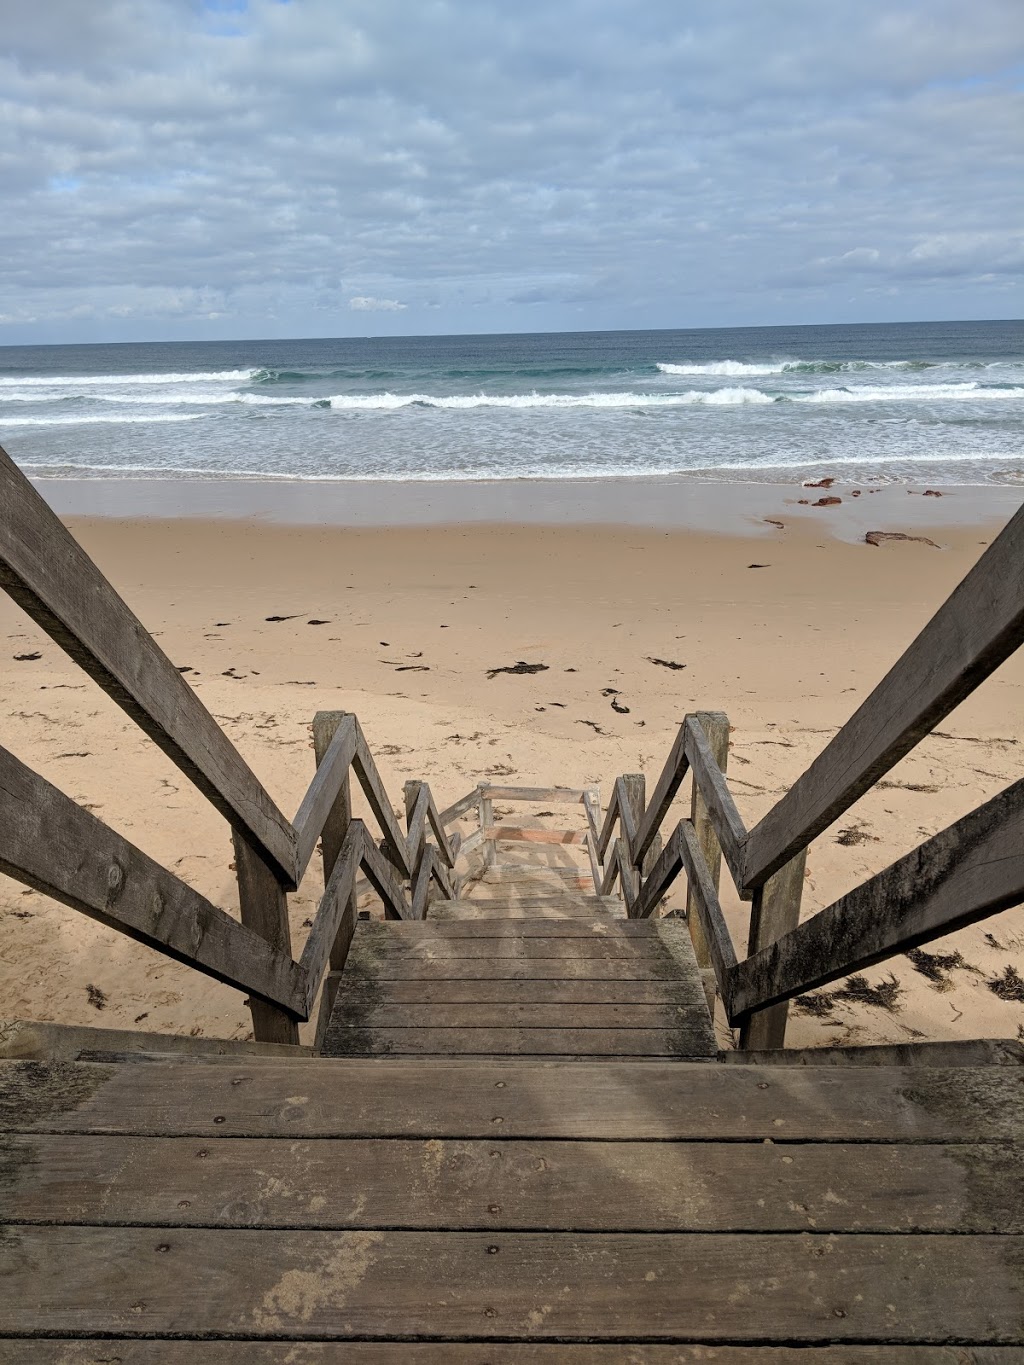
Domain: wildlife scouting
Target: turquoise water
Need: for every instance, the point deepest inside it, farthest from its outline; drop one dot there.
(940, 402)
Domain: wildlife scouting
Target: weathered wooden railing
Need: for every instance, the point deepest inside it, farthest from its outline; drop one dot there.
(973, 869)
(49, 842)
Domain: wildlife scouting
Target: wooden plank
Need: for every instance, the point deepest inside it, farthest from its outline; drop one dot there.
(630, 803)
(421, 884)
(50, 843)
(412, 933)
(360, 1010)
(382, 877)
(48, 1042)
(417, 799)
(318, 1097)
(947, 1052)
(659, 880)
(529, 947)
(373, 789)
(970, 870)
(327, 1284)
(485, 814)
(446, 847)
(611, 816)
(715, 725)
(545, 1186)
(407, 967)
(569, 902)
(164, 1351)
(511, 834)
(459, 809)
(330, 938)
(592, 807)
(334, 742)
(51, 577)
(721, 808)
(472, 841)
(716, 931)
(263, 905)
(536, 876)
(774, 913)
(682, 990)
(686, 1039)
(664, 792)
(596, 875)
(978, 626)
(566, 795)
(334, 829)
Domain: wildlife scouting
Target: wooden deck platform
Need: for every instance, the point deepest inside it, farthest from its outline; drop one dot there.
(571, 1207)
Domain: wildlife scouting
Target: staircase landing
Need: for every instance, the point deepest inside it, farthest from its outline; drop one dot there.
(509, 1212)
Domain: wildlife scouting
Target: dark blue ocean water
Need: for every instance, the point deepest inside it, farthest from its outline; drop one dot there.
(942, 402)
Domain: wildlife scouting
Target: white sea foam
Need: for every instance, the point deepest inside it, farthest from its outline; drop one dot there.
(108, 380)
(904, 393)
(728, 397)
(729, 367)
(87, 419)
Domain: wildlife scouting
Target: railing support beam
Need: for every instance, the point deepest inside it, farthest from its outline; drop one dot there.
(775, 912)
(264, 908)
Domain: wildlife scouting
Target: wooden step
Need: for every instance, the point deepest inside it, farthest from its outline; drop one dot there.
(512, 834)
(574, 878)
(496, 965)
(529, 907)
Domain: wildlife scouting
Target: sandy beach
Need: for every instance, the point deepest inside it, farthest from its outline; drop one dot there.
(784, 626)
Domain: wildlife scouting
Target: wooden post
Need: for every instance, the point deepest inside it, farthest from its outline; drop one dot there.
(325, 725)
(636, 795)
(715, 725)
(264, 906)
(485, 808)
(775, 911)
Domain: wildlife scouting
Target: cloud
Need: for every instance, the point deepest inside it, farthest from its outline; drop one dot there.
(362, 303)
(589, 164)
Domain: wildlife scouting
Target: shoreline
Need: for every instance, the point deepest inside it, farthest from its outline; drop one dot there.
(677, 504)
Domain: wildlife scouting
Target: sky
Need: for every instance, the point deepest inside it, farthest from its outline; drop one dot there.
(179, 169)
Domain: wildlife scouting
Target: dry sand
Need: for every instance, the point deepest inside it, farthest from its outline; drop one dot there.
(785, 629)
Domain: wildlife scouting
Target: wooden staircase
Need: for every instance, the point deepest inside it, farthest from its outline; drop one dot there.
(517, 1145)
(542, 976)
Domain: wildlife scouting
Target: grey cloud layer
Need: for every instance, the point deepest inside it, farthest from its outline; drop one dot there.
(171, 168)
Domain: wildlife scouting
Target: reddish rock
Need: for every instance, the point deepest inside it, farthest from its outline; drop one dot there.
(931, 493)
(818, 483)
(827, 502)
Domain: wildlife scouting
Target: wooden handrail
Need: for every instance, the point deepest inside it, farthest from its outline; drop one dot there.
(722, 812)
(51, 843)
(51, 577)
(664, 794)
(373, 788)
(974, 630)
(381, 872)
(683, 852)
(323, 791)
(459, 808)
(336, 905)
(972, 869)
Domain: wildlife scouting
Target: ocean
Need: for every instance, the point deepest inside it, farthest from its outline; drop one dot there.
(923, 402)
